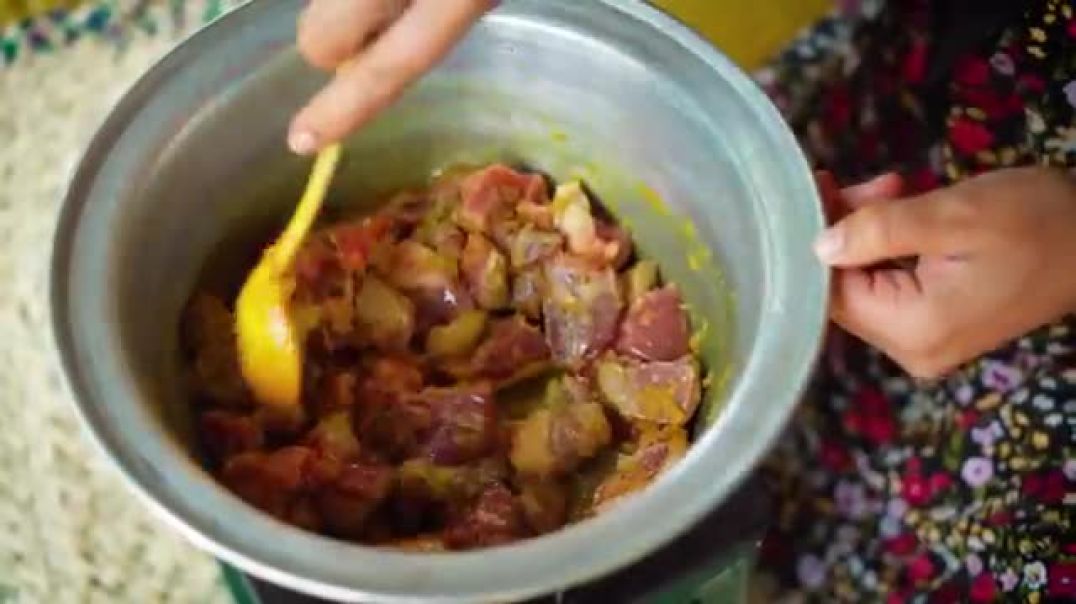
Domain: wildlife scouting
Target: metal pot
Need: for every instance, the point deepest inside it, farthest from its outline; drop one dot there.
(192, 161)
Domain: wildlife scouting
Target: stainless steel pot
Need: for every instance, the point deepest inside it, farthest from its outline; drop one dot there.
(610, 90)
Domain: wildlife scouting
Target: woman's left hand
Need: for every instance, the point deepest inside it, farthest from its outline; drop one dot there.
(995, 258)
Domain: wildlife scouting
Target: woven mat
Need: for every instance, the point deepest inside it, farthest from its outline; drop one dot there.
(71, 532)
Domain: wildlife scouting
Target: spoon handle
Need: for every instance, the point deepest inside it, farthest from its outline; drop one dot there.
(309, 206)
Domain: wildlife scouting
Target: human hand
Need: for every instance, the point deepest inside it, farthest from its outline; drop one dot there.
(386, 45)
(994, 257)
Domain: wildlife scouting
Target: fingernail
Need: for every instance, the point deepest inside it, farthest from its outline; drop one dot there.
(829, 244)
(303, 142)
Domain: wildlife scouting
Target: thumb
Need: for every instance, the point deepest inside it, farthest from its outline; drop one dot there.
(878, 232)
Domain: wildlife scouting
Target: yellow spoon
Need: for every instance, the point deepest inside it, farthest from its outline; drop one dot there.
(269, 338)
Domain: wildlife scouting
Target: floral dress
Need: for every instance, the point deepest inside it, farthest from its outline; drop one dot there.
(962, 490)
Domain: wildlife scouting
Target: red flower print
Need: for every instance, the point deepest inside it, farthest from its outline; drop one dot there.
(897, 598)
(1072, 29)
(919, 491)
(837, 112)
(872, 402)
(972, 71)
(901, 545)
(916, 490)
(967, 419)
(939, 482)
(869, 143)
(871, 417)
(914, 69)
(1062, 585)
(946, 594)
(914, 465)
(923, 180)
(879, 429)
(983, 588)
(774, 550)
(969, 137)
(1032, 83)
(1045, 487)
(999, 519)
(1069, 548)
(993, 104)
(835, 457)
(921, 569)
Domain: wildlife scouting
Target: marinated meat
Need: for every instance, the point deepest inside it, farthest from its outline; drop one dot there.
(554, 441)
(582, 309)
(485, 271)
(483, 365)
(660, 392)
(655, 327)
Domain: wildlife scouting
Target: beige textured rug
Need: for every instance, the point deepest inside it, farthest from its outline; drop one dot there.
(69, 529)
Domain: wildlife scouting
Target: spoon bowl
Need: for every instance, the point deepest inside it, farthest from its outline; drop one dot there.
(269, 335)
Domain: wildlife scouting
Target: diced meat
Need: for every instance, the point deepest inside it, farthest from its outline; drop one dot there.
(528, 289)
(355, 240)
(464, 423)
(458, 338)
(317, 268)
(660, 392)
(657, 450)
(537, 214)
(394, 427)
(485, 271)
(430, 280)
(573, 217)
(530, 246)
(346, 504)
(335, 320)
(225, 434)
(209, 332)
(639, 279)
(338, 388)
(618, 244)
(447, 240)
(398, 375)
(655, 327)
(436, 228)
(407, 209)
(268, 481)
(554, 441)
(304, 514)
(281, 422)
(544, 505)
(576, 389)
(421, 479)
(334, 436)
(513, 350)
(384, 318)
(416, 320)
(494, 519)
(388, 416)
(582, 309)
(493, 192)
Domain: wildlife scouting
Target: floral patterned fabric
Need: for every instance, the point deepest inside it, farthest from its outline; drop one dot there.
(962, 490)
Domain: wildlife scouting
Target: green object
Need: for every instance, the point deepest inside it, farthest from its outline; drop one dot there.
(239, 586)
(723, 582)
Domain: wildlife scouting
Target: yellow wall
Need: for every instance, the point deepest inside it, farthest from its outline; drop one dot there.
(749, 31)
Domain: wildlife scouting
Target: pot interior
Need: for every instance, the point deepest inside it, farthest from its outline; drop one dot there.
(191, 173)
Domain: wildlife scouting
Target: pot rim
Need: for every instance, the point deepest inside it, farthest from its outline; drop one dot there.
(528, 568)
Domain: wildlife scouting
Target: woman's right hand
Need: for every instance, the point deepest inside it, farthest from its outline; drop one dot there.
(387, 44)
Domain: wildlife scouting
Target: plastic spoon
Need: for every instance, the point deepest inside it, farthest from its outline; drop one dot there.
(269, 336)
